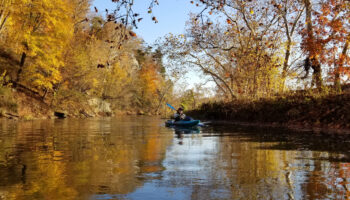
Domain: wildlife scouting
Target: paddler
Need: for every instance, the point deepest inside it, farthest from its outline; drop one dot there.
(179, 115)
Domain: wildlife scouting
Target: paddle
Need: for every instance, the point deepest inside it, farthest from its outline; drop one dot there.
(170, 106)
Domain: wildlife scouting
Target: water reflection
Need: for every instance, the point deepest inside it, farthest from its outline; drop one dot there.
(269, 164)
(138, 158)
(73, 159)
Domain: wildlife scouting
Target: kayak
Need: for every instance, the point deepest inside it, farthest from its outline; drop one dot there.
(182, 123)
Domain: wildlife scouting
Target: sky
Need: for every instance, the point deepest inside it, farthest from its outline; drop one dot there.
(171, 15)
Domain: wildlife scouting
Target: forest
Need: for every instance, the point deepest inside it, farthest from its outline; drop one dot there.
(269, 119)
(60, 55)
(63, 55)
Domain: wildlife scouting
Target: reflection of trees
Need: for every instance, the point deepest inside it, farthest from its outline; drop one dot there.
(275, 165)
(327, 180)
(72, 159)
(253, 173)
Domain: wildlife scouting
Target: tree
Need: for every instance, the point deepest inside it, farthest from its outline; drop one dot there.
(241, 56)
(325, 37)
(311, 47)
(150, 83)
(290, 12)
(5, 11)
(332, 28)
(41, 31)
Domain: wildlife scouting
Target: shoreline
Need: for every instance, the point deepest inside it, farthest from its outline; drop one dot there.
(292, 127)
(275, 125)
(14, 117)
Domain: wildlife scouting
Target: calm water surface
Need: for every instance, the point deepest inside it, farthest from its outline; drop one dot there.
(139, 158)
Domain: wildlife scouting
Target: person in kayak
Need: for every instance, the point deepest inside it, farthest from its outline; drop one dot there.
(180, 115)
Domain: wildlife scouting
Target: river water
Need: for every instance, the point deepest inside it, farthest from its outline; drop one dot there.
(139, 158)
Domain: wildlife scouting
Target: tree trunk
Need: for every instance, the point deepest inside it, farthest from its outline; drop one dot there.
(313, 57)
(4, 21)
(162, 98)
(285, 65)
(289, 34)
(23, 59)
(317, 74)
(45, 93)
(337, 85)
(340, 66)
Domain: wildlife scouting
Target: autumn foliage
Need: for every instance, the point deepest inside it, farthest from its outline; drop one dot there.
(63, 53)
(257, 49)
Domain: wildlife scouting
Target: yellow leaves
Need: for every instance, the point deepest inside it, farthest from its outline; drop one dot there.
(251, 11)
(42, 29)
(119, 74)
(94, 82)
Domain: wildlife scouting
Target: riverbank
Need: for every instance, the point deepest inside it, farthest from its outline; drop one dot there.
(18, 105)
(326, 113)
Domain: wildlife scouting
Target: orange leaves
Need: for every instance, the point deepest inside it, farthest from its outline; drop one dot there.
(228, 21)
(149, 78)
(324, 39)
(133, 34)
(344, 70)
(326, 9)
(336, 25)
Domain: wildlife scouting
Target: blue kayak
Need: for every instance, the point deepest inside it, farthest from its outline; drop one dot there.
(182, 123)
